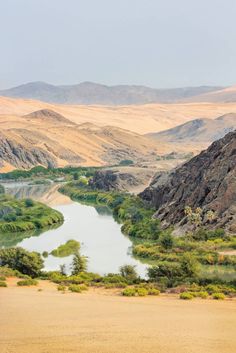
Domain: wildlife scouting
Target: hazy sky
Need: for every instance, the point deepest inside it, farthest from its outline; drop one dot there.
(159, 43)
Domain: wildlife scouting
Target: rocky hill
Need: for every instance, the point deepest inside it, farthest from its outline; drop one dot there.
(198, 130)
(207, 181)
(48, 138)
(93, 93)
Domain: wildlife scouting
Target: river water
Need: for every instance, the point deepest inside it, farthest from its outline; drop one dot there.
(100, 236)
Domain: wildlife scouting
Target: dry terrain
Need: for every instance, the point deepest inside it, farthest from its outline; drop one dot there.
(103, 322)
(138, 118)
(34, 132)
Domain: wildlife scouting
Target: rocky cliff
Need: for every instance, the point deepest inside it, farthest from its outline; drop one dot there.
(207, 181)
(19, 156)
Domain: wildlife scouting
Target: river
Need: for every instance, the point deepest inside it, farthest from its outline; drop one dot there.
(99, 234)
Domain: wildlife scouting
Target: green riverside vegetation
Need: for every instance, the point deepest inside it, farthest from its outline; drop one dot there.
(69, 248)
(176, 260)
(25, 215)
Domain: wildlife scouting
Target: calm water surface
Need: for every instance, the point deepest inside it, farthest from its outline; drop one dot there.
(100, 236)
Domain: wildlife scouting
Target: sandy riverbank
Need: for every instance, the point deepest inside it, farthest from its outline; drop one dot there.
(99, 321)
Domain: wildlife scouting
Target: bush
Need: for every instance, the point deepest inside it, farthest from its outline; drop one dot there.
(218, 296)
(29, 203)
(212, 288)
(3, 284)
(141, 292)
(61, 288)
(202, 295)
(129, 292)
(166, 240)
(2, 278)
(153, 291)
(28, 263)
(77, 288)
(27, 282)
(186, 296)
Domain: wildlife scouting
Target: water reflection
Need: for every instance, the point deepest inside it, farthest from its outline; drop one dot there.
(94, 227)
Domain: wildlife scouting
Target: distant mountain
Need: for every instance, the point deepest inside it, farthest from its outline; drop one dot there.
(208, 181)
(225, 95)
(199, 130)
(93, 93)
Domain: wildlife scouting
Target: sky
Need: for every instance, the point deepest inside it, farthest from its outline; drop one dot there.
(157, 43)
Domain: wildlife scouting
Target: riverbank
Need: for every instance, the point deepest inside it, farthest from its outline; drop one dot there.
(98, 321)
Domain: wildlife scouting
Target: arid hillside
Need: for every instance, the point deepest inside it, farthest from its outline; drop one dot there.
(138, 118)
(198, 131)
(47, 138)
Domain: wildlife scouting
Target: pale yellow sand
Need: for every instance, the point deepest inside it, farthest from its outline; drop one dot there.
(102, 322)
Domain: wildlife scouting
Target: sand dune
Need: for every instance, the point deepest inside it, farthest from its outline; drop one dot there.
(138, 118)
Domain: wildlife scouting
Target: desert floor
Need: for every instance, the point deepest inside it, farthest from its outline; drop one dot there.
(101, 321)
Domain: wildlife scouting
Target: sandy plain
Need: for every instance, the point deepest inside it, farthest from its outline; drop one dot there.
(102, 321)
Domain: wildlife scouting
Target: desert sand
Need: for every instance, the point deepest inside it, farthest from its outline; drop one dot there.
(138, 118)
(101, 321)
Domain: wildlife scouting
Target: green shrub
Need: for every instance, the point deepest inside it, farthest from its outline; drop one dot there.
(153, 291)
(61, 288)
(3, 284)
(77, 288)
(27, 282)
(115, 285)
(202, 295)
(212, 288)
(29, 203)
(2, 278)
(218, 296)
(186, 296)
(129, 292)
(141, 292)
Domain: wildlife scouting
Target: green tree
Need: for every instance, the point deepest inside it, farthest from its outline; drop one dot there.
(28, 263)
(79, 264)
(129, 272)
(166, 269)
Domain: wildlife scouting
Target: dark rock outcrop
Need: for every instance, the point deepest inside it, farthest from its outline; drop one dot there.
(109, 180)
(207, 181)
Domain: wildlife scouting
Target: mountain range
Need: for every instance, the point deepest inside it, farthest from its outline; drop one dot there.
(94, 93)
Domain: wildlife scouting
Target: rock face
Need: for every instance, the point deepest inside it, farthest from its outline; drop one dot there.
(207, 181)
(109, 180)
(19, 156)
